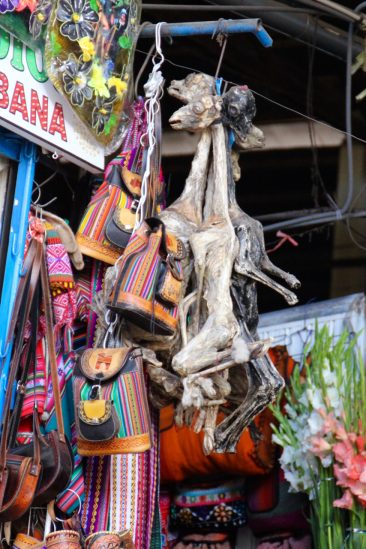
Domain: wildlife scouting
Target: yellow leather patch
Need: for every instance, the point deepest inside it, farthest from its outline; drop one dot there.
(94, 409)
(125, 218)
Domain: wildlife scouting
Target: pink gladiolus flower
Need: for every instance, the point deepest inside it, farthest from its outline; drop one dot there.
(360, 442)
(345, 502)
(320, 447)
(343, 452)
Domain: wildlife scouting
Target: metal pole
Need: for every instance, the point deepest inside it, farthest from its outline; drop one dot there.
(303, 28)
(201, 28)
(25, 153)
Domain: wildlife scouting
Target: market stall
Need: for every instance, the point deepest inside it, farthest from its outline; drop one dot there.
(141, 393)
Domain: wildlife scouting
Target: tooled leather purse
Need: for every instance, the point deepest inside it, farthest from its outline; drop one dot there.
(56, 453)
(111, 408)
(149, 283)
(19, 475)
(33, 473)
(122, 221)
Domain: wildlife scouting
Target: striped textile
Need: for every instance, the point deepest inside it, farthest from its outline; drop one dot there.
(133, 491)
(69, 500)
(95, 510)
(35, 389)
(89, 282)
(127, 393)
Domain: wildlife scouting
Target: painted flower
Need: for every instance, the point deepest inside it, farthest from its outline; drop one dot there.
(119, 85)
(30, 4)
(87, 47)
(8, 5)
(102, 113)
(223, 513)
(75, 77)
(40, 17)
(78, 19)
(98, 82)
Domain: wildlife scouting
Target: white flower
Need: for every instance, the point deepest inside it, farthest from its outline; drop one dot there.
(315, 398)
(304, 399)
(334, 399)
(315, 423)
(327, 461)
(329, 377)
(290, 411)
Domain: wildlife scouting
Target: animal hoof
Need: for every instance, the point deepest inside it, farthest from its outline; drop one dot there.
(292, 299)
(294, 283)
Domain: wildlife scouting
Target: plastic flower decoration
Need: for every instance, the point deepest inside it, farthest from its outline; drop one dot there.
(78, 19)
(8, 5)
(87, 47)
(102, 113)
(30, 4)
(40, 17)
(75, 77)
(119, 85)
(98, 82)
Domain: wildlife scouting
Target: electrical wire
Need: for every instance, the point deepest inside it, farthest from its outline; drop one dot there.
(340, 213)
(268, 99)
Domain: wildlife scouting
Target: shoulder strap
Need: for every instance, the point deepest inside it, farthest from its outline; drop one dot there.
(51, 348)
(30, 356)
(28, 281)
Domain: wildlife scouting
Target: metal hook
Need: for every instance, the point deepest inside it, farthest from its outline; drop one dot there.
(221, 36)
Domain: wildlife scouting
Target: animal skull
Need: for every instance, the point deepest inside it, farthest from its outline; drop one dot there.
(198, 115)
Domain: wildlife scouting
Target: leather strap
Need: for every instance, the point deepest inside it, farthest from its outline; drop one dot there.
(51, 348)
(30, 352)
(32, 265)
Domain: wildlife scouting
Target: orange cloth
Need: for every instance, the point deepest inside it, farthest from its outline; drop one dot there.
(181, 453)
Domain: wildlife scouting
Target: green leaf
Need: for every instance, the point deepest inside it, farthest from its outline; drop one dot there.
(125, 42)
(110, 124)
(94, 5)
(56, 47)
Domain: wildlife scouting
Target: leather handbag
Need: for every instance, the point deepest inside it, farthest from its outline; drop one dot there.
(21, 481)
(63, 539)
(123, 219)
(56, 453)
(23, 541)
(149, 282)
(109, 540)
(111, 408)
(19, 475)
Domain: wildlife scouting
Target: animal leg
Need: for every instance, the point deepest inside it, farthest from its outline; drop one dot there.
(270, 268)
(246, 268)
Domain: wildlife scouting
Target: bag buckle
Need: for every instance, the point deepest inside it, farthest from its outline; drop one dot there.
(172, 263)
(135, 205)
(95, 392)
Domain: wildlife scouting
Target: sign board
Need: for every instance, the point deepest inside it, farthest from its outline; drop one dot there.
(31, 106)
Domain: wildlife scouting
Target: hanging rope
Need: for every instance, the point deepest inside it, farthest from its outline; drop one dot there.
(153, 94)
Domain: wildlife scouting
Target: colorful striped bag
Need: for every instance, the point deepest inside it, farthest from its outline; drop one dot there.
(111, 408)
(149, 283)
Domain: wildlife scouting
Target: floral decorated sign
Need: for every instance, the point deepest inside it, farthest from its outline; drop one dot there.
(30, 106)
(89, 54)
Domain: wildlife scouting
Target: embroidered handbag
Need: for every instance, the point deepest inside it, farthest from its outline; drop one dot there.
(149, 282)
(111, 408)
(91, 234)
